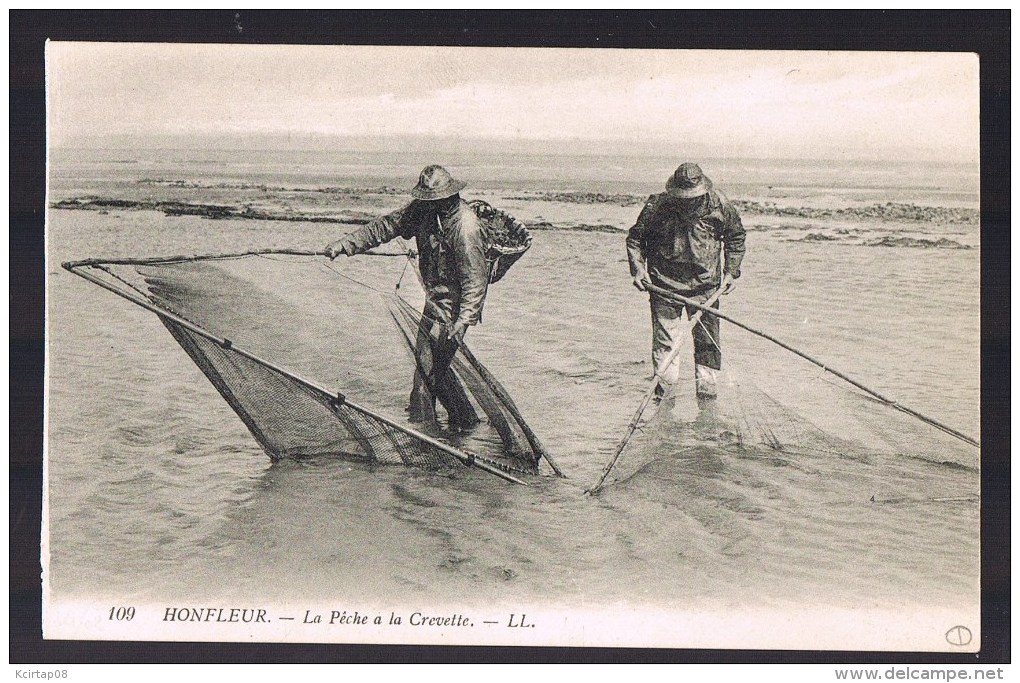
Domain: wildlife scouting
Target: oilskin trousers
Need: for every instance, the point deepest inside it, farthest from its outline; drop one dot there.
(667, 326)
(434, 377)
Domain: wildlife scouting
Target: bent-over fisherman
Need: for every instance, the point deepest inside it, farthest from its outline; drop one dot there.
(452, 260)
(676, 245)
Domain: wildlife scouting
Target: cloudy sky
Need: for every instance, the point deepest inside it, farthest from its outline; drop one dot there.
(736, 103)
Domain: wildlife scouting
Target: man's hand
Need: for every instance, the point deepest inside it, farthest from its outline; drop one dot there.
(332, 251)
(640, 278)
(456, 331)
(728, 284)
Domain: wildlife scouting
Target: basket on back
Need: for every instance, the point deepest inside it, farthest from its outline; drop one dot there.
(507, 238)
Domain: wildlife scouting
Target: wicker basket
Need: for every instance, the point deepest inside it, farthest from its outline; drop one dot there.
(507, 238)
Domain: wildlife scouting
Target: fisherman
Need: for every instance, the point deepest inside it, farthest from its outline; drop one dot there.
(452, 261)
(677, 244)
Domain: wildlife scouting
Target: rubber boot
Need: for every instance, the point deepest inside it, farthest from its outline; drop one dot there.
(422, 407)
(705, 379)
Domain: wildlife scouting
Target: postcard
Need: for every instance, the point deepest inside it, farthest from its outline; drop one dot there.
(512, 346)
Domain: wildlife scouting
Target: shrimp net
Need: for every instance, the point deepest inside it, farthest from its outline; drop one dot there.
(774, 405)
(317, 362)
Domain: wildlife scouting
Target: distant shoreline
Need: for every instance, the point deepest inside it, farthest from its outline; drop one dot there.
(802, 232)
(887, 212)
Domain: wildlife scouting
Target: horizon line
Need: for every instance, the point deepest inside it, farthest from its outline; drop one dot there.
(642, 148)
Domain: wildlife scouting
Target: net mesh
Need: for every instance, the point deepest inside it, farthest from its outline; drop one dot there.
(311, 361)
(491, 397)
(772, 404)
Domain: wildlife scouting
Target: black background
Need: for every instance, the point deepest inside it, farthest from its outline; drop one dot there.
(983, 32)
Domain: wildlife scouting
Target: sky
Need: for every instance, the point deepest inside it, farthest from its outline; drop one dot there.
(724, 103)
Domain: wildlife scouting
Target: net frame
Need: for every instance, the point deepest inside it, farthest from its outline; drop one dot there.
(356, 417)
(752, 430)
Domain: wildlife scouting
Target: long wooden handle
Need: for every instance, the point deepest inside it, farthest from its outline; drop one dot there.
(157, 260)
(493, 384)
(466, 458)
(656, 378)
(676, 298)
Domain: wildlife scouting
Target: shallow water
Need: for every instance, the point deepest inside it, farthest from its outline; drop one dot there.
(158, 493)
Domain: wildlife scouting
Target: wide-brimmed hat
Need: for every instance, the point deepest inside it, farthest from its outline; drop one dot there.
(435, 182)
(688, 181)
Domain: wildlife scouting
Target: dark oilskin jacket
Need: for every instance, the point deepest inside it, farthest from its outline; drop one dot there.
(678, 241)
(451, 254)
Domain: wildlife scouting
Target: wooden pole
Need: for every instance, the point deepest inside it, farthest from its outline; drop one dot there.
(493, 384)
(159, 260)
(466, 458)
(678, 345)
(676, 298)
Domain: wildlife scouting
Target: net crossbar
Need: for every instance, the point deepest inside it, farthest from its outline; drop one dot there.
(298, 356)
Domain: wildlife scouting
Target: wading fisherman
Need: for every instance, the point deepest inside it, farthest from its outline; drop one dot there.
(452, 261)
(677, 244)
